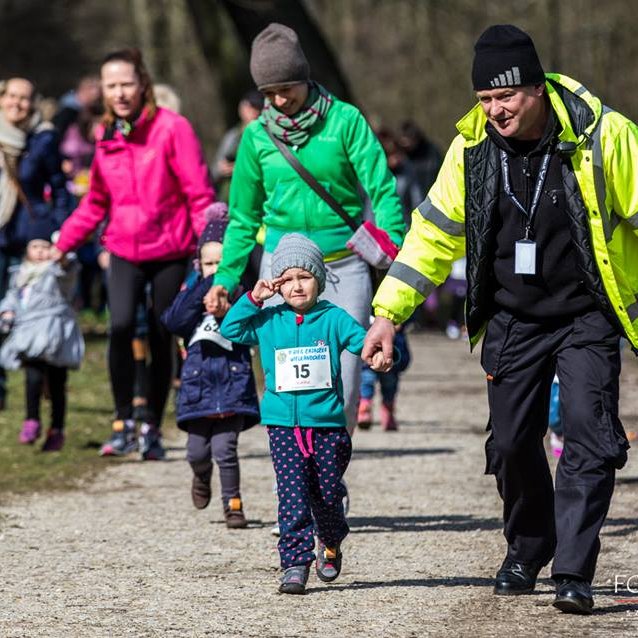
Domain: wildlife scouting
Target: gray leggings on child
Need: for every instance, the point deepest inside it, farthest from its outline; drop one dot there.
(216, 440)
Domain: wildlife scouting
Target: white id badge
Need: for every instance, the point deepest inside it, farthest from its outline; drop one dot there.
(302, 369)
(208, 330)
(525, 257)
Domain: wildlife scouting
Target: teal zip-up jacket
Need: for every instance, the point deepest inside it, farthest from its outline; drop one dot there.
(279, 327)
(341, 153)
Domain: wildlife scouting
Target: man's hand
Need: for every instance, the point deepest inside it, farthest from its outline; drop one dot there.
(225, 168)
(378, 345)
(216, 301)
(265, 289)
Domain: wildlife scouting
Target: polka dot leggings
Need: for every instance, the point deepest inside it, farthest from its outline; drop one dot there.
(309, 464)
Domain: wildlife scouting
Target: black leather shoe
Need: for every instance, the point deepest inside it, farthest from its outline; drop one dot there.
(514, 578)
(573, 596)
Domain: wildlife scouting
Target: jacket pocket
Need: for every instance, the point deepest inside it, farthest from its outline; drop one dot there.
(497, 333)
(611, 434)
(191, 385)
(492, 458)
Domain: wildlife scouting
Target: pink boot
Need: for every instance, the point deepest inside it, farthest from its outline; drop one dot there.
(364, 415)
(388, 422)
(30, 431)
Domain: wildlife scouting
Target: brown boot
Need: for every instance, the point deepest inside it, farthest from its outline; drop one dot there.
(234, 514)
(200, 491)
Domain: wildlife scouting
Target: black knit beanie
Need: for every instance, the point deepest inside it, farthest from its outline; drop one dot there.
(41, 228)
(277, 58)
(505, 56)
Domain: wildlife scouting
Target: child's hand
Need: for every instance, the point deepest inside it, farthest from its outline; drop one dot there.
(378, 362)
(6, 321)
(265, 289)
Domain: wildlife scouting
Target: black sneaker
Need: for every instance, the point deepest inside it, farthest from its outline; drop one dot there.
(150, 443)
(294, 580)
(122, 439)
(328, 564)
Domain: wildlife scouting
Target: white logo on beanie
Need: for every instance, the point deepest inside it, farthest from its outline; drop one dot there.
(511, 77)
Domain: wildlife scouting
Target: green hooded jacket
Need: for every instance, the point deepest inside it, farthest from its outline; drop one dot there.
(341, 153)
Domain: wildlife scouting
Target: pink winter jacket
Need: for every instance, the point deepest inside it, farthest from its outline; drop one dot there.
(153, 186)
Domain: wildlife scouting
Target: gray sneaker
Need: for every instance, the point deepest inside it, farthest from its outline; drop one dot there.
(150, 443)
(328, 564)
(122, 439)
(294, 580)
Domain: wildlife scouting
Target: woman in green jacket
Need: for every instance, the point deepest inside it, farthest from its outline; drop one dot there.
(333, 141)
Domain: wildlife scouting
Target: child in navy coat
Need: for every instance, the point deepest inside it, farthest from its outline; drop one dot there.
(217, 398)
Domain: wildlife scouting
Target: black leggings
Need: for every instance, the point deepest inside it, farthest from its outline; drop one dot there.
(35, 374)
(126, 284)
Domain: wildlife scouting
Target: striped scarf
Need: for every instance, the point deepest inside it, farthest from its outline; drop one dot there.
(294, 130)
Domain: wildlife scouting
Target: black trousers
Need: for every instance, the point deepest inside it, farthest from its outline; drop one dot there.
(520, 359)
(126, 284)
(36, 372)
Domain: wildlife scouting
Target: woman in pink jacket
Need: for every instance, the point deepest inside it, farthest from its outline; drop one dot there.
(150, 181)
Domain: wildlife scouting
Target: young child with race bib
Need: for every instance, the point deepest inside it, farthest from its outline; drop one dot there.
(44, 336)
(300, 342)
(217, 397)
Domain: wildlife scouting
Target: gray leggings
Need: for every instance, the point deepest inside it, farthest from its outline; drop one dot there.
(348, 286)
(216, 440)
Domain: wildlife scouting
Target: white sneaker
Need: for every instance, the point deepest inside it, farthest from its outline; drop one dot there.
(346, 499)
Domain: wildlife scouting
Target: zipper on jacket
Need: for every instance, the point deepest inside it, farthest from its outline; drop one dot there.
(295, 407)
(139, 201)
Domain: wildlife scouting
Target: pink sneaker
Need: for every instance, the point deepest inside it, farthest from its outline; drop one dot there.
(364, 414)
(30, 431)
(556, 444)
(54, 441)
(388, 422)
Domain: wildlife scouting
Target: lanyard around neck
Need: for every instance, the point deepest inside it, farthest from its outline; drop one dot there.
(538, 188)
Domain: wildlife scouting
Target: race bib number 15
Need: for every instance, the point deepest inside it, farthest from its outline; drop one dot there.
(302, 369)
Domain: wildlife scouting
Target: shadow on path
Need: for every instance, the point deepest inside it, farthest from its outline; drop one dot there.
(374, 452)
(628, 525)
(454, 523)
(458, 581)
(408, 451)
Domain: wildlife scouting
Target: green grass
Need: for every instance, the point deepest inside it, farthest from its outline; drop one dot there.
(25, 468)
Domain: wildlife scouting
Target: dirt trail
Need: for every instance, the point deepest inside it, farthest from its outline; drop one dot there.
(127, 555)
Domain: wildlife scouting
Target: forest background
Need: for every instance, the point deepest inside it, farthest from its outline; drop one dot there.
(395, 59)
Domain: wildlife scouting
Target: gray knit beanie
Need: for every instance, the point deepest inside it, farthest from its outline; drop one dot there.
(297, 251)
(277, 58)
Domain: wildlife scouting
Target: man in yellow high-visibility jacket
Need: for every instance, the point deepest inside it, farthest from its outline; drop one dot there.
(539, 191)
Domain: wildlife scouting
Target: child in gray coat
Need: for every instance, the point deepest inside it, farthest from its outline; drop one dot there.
(44, 336)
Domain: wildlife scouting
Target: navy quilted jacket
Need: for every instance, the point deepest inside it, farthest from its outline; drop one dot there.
(39, 167)
(214, 380)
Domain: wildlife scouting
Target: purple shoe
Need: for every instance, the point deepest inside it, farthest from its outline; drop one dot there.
(30, 431)
(54, 441)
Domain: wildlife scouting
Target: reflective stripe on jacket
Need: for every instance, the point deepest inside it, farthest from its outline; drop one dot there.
(457, 215)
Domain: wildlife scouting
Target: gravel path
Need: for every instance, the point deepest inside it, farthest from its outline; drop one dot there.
(127, 554)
